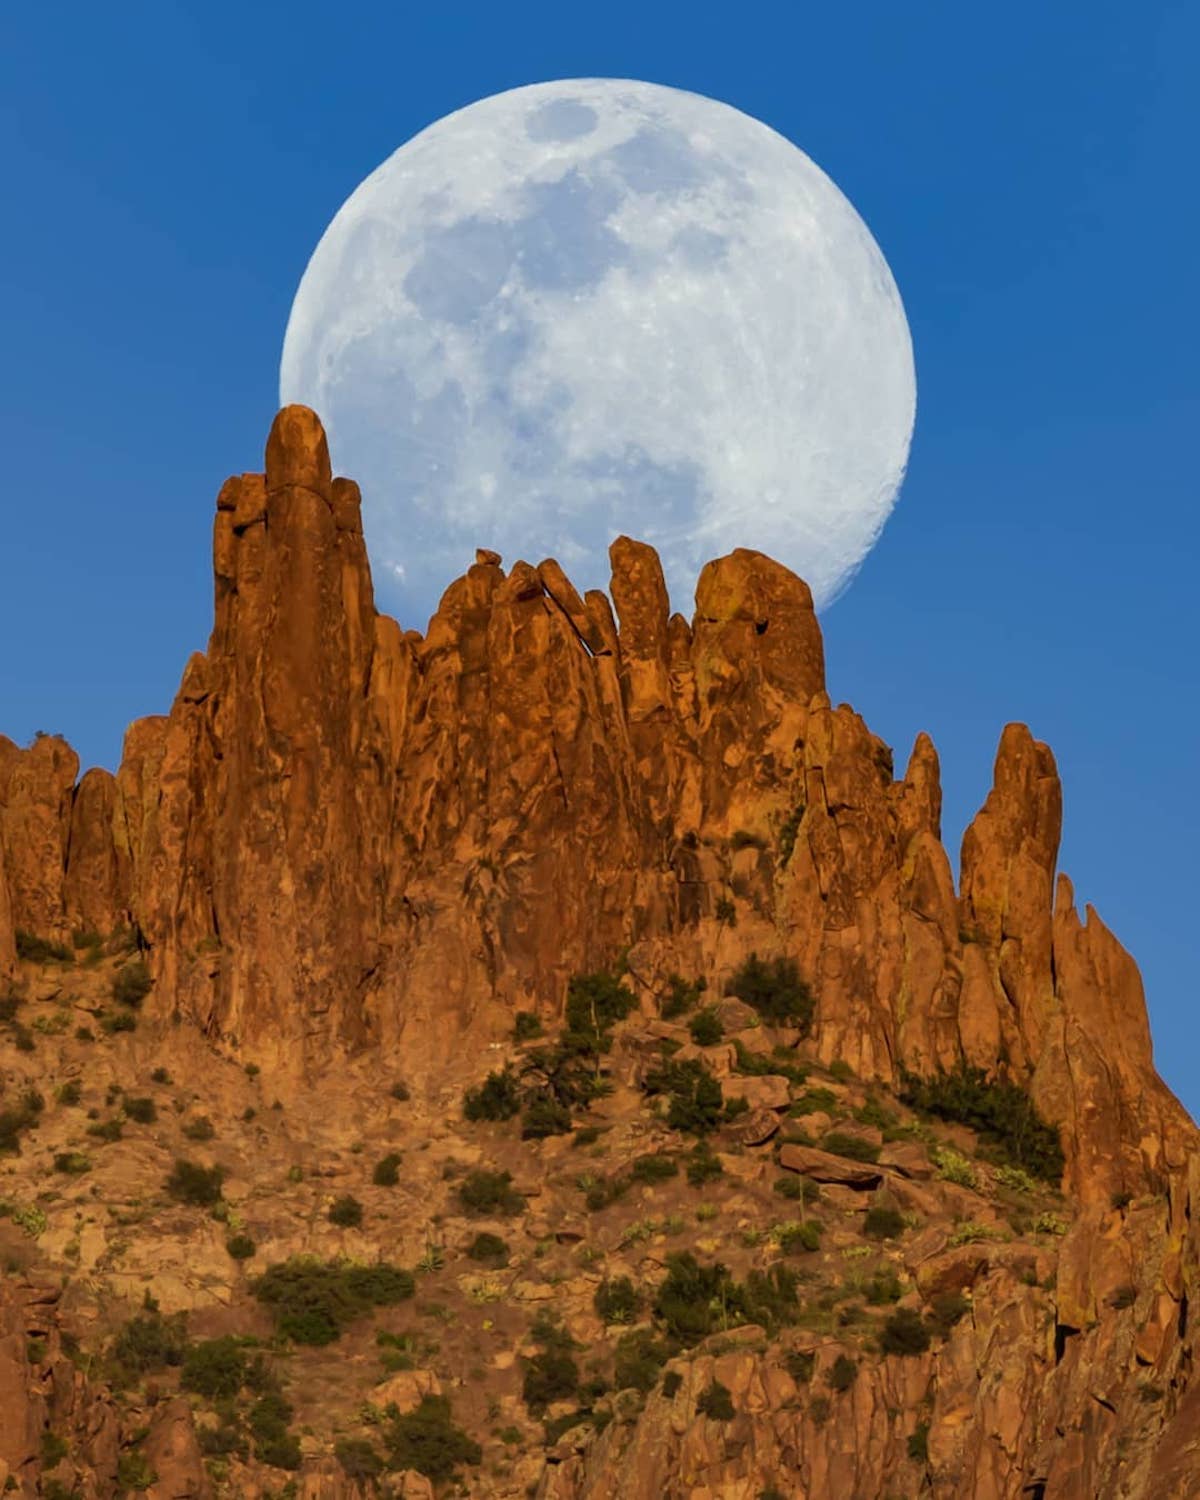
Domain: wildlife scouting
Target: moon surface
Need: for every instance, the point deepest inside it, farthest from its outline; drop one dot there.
(599, 306)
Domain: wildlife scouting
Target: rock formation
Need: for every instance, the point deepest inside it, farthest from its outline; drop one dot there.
(348, 840)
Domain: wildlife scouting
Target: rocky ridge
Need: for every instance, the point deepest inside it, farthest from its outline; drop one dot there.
(540, 783)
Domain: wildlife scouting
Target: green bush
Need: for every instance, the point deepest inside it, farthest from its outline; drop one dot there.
(54, 1448)
(716, 1402)
(640, 1355)
(214, 1368)
(526, 1027)
(313, 1300)
(883, 1287)
(617, 1300)
(813, 1101)
(918, 1443)
(346, 1212)
(595, 1003)
(483, 1192)
(38, 950)
(106, 1130)
(550, 1375)
(148, 1341)
(601, 1194)
(498, 1097)
(693, 1299)
(905, 1332)
(110, 1024)
(842, 1373)
(358, 1458)
(387, 1170)
(694, 1096)
(19, 1117)
(1001, 1113)
(800, 1364)
(69, 1093)
(703, 1166)
(544, 1116)
(946, 1309)
(428, 1440)
(681, 997)
(853, 1147)
(797, 1189)
(882, 1223)
(72, 1163)
(653, 1167)
(489, 1249)
(191, 1183)
(131, 984)
(199, 1129)
(706, 1028)
(141, 1111)
(240, 1246)
(775, 990)
(134, 1471)
(798, 1239)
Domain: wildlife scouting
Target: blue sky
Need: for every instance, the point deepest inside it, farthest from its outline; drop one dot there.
(1028, 171)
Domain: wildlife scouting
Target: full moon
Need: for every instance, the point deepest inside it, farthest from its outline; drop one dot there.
(598, 306)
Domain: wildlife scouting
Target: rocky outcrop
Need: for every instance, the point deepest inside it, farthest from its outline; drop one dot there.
(344, 836)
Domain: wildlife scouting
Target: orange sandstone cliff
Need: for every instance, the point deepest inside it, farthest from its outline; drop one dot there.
(348, 840)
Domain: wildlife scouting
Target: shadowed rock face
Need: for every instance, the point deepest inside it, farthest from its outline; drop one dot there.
(346, 836)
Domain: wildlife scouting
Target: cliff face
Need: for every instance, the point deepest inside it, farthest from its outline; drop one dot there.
(346, 837)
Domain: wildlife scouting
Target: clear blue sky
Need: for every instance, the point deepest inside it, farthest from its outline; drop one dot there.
(1029, 171)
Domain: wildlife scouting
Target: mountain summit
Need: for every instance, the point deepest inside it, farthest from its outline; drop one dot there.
(351, 855)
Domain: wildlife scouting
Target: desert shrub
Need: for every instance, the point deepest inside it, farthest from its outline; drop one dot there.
(853, 1147)
(526, 1026)
(1001, 1113)
(54, 1448)
(498, 1097)
(694, 1096)
(905, 1332)
(114, 1022)
(199, 1129)
(214, 1368)
(706, 1028)
(387, 1170)
(544, 1116)
(883, 1287)
(725, 911)
(569, 1072)
(873, 1112)
(19, 1117)
(842, 1373)
(715, 1401)
(797, 1189)
(240, 1246)
(800, 1364)
(550, 1375)
(160, 1075)
(346, 1212)
(358, 1458)
(617, 1300)
(953, 1166)
(106, 1130)
(131, 984)
(595, 1003)
(768, 1297)
(141, 1111)
(312, 1300)
(681, 997)
(775, 990)
(69, 1093)
(428, 1440)
(148, 1341)
(191, 1183)
(1016, 1179)
(881, 1223)
(1123, 1297)
(918, 1443)
(693, 1299)
(798, 1239)
(814, 1100)
(72, 1163)
(10, 1004)
(603, 1192)
(946, 1309)
(640, 1356)
(489, 1249)
(703, 1165)
(39, 950)
(134, 1471)
(484, 1192)
(653, 1167)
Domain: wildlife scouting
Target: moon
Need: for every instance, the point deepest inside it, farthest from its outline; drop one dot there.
(597, 306)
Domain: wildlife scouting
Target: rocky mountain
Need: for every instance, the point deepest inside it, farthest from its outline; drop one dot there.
(763, 1115)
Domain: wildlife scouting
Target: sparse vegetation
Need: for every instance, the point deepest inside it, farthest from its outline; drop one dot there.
(484, 1192)
(617, 1300)
(428, 1440)
(39, 950)
(498, 1097)
(905, 1332)
(387, 1170)
(131, 984)
(199, 1129)
(191, 1183)
(141, 1111)
(716, 1402)
(240, 1246)
(1001, 1113)
(853, 1147)
(775, 990)
(681, 997)
(346, 1212)
(489, 1249)
(842, 1373)
(706, 1029)
(695, 1100)
(883, 1223)
(526, 1027)
(312, 1300)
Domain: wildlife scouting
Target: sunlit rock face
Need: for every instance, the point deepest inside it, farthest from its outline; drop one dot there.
(593, 307)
